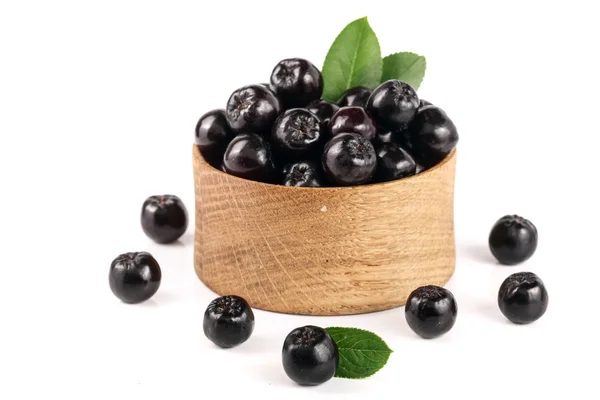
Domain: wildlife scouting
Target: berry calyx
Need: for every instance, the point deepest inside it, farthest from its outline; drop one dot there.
(349, 159)
(134, 277)
(297, 133)
(393, 104)
(523, 298)
(310, 356)
(296, 82)
(252, 109)
(430, 311)
(228, 321)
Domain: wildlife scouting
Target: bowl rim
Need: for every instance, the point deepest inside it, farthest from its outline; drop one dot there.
(444, 161)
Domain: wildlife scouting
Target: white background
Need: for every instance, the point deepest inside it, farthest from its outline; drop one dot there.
(98, 102)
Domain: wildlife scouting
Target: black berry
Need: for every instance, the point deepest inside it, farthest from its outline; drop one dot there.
(248, 156)
(296, 82)
(297, 133)
(164, 218)
(349, 159)
(393, 104)
(310, 356)
(513, 239)
(304, 173)
(432, 133)
(353, 119)
(212, 135)
(212, 130)
(356, 96)
(393, 162)
(322, 109)
(252, 109)
(228, 321)
(134, 277)
(403, 138)
(430, 311)
(523, 298)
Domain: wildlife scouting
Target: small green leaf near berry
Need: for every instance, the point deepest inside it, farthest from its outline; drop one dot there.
(362, 353)
(354, 59)
(405, 66)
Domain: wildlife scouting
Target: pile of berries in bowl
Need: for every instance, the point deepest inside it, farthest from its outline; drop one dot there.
(283, 132)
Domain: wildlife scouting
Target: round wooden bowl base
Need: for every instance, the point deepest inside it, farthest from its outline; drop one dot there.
(323, 251)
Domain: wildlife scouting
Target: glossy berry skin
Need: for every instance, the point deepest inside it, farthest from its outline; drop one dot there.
(430, 311)
(302, 174)
(393, 104)
(310, 356)
(248, 156)
(349, 159)
(228, 321)
(513, 239)
(384, 136)
(134, 277)
(212, 130)
(420, 168)
(353, 119)
(323, 109)
(424, 103)
(523, 298)
(296, 82)
(164, 218)
(297, 133)
(393, 162)
(212, 135)
(356, 96)
(432, 133)
(252, 109)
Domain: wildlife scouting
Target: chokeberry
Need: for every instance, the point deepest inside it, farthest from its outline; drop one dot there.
(212, 131)
(310, 356)
(424, 103)
(432, 133)
(248, 156)
(393, 104)
(134, 277)
(252, 109)
(164, 218)
(212, 135)
(430, 311)
(323, 109)
(513, 239)
(228, 321)
(353, 119)
(393, 162)
(303, 173)
(356, 96)
(349, 159)
(297, 133)
(523, 298)
(296, 82)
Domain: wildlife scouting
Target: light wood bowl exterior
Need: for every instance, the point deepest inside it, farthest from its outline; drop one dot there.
(323, 251)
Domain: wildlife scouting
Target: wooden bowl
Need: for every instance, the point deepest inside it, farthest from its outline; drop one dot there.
(324, 251)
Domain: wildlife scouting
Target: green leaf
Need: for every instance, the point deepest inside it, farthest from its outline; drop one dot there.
(354, 59)
(407, 67)
(362, 353)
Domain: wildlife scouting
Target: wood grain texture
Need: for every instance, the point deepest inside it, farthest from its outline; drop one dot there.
(323, 251)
